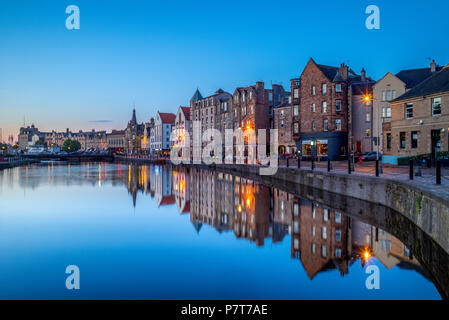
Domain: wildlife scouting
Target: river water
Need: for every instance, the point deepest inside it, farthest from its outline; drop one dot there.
(161, 232)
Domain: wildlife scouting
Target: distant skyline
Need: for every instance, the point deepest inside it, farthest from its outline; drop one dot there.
(154, 55)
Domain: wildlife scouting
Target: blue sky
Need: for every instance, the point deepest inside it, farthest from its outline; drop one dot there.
(156, 53)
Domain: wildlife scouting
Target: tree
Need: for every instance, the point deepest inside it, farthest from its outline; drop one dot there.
(71, 145)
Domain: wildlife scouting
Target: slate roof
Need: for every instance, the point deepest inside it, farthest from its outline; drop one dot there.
(438, 82)
(362, 88)
(196, 96)
(329, 72)
(413, 77)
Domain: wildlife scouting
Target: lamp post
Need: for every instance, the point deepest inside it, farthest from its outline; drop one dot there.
(370, 99)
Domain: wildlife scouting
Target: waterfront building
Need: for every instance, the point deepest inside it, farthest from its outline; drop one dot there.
(116, 141)
(160, 136)
(419, 120)
(133, 136)
(390, 87)
(26, 135)
(180, 130)
(211, 111)
(146, 137)
(252, 107)
(362, 114)
(324, 95)
(283, 119)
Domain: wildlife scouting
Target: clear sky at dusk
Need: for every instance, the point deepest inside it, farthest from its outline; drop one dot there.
(156, 53)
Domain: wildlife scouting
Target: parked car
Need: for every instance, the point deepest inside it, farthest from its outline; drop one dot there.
(371, 156)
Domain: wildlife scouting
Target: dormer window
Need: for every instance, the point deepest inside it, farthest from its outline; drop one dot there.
(338, 87)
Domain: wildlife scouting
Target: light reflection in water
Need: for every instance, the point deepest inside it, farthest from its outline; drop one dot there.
(318, 238)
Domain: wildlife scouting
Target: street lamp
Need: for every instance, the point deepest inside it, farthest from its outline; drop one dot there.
(367, 98)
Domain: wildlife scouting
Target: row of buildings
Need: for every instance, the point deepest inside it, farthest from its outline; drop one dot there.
(329, 112)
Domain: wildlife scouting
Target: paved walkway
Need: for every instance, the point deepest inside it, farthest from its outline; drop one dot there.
(426, 181)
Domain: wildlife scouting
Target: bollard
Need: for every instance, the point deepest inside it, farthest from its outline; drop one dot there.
(377, 167)
(328, 165)
(313, 163)
(438, 172)
(411, 169)
(349, 165)
(287, 162)
(299, 162)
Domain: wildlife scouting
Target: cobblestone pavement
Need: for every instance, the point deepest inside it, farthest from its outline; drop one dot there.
(427, 180)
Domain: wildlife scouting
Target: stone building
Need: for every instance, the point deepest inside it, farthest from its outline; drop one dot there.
(133, 136)
(212, 113)
(26, 135)
(390, 87)
(116, 141)
(146, 140)
(283, 122)
(419, 120)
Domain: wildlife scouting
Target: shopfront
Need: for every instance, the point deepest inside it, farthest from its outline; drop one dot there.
(332, 145)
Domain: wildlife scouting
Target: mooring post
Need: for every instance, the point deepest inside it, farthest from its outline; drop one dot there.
(411, 169)
(438, 172)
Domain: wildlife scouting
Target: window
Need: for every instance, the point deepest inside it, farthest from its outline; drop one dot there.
(282, 123)
(337, 217)
(337, 105)
(368, 132)
(313, 107)
(236, 99)
(384, 95)
(243, 98)
(338, 235)
(295, 209)
(338, 125)
(296, 93)
(409, 111)
(388, 140)
(313, 248)
(313, 90)
(324, 233)
(414, 139)
(270, 96)
(386, 112)
(393, 94)
(337, 253)
(295, 110)
(402, 140)
(324, 88)
(324, 106)
(436, 106)
(338, 87)
(250, 95)
(325, 214)
(313, 125)
(323, 251)
(296, 127)
(388, 95)
(325, 125)
(313, 231)
(368, 117)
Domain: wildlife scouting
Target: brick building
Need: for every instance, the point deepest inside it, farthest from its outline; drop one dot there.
(283, 122)
(325, 110)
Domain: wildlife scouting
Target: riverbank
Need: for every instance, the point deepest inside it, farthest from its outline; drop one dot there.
(16, 163)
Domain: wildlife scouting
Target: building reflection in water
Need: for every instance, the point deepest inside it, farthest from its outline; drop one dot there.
(321, 238)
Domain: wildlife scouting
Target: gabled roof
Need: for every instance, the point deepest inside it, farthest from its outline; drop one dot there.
(438, 82)
(186, 111)
(328, 71)
(387, 74)
(413, 77)
(196, 96)
(167, 117)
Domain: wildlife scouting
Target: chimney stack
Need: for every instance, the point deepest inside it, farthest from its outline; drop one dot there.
(433, 66)
(363, 75)
(344, 70)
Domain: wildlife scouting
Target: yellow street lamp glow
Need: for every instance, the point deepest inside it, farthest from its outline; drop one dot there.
(366, 255)
(367, 98)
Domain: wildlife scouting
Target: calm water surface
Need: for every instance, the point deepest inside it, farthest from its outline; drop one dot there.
(153, 232)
